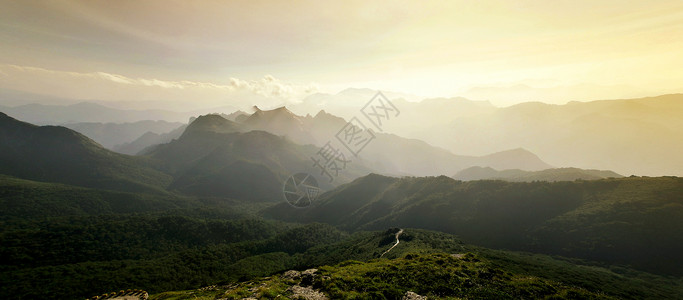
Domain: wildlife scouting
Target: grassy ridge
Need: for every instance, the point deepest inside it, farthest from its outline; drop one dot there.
(416, 265)
(436, 275)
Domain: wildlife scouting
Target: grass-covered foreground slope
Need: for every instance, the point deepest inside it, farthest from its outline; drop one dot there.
(436, 275)
(617, 281)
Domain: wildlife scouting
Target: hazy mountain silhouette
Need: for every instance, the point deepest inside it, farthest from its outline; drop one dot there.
(588, 135)
(212, 150)
(59, 154)
(629, 136)
(111, 135)
(50, 110)
(147, 140)
(633, 136)
(559, 174)
(212, 123)
(387, 153)
(280, 121)
(88, 112)
(11, 98)
(431, 111)
(237, 115)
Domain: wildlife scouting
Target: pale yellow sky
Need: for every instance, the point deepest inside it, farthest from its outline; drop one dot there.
(503, 51)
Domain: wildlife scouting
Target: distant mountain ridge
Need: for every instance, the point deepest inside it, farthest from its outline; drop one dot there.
(147, 140)
(387, 153)
(558, 174)
(588, 135)
(213, 149)
(629, 136)
(111, 135)
(88, 112)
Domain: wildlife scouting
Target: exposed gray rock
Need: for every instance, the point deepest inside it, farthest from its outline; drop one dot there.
(306, 293)
(413, 296)
(292, 274)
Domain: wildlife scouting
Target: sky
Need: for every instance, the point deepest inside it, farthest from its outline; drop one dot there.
(190, 54)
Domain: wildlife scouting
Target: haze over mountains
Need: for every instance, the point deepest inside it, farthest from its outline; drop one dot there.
(628, 136)
(114, 135)
(50, 110)
(262, 148)
(587, 135)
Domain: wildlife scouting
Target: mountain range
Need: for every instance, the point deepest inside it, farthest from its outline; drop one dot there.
(86, 112)
(587, 135)
(558, 174)
(149, 139)
(114, 135)
(216, 156)
(387, 153)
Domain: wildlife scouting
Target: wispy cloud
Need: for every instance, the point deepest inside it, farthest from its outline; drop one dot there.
(111, 87)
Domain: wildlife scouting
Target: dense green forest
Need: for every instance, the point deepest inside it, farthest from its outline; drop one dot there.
(84, 256)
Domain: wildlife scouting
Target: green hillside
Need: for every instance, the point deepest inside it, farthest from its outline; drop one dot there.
(24, 199)
(58, 154)
(632, 221)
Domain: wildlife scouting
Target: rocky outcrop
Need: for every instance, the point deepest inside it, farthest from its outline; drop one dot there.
(413, 296)
(307, 293)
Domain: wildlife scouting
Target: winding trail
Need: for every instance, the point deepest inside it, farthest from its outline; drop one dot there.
(396, 244)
